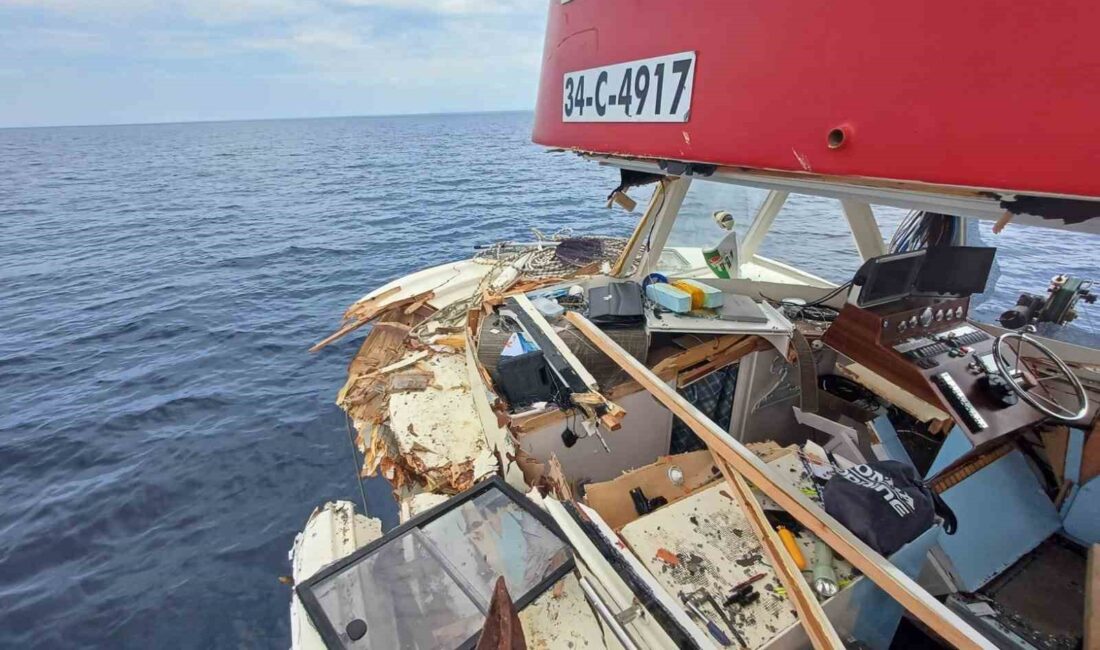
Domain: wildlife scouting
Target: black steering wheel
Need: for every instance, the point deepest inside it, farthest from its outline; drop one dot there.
(1044, 404)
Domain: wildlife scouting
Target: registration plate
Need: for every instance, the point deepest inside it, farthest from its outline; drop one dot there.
(646, 90)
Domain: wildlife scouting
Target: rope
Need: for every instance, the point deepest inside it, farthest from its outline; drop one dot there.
(355, 462)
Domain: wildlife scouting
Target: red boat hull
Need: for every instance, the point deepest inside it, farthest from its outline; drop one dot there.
(981, 94)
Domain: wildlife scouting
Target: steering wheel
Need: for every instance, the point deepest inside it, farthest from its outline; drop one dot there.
(1046, 405)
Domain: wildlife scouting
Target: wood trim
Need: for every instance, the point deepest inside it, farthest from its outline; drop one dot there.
(732, 355)
(1090, 455)
(535, 421)
(892, 580)
(970, 464)
(938, 420)
(1092, 598)
(696, 354)
(547, 330)
(656, 202)
(814, 621)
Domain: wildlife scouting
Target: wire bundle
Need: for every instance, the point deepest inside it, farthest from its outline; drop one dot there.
(924, 229)
(811, 311)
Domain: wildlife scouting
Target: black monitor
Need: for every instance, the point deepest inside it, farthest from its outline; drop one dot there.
(888, 277)
(956, 270)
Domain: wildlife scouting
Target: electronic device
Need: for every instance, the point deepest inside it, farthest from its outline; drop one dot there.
(938, 271)
(1058, 306)
(959, 402)
(908, 324)
(955, 270)
(887, 278)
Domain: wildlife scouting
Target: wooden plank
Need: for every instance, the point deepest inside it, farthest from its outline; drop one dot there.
(364, 307)
(814, 621)
(1092, 599)
(892, 580)
(425, 297)
(645, 225)
(697, 353)
(367, 310)
(1056, 443)
(1090, 456)
(545, 328)
(938, 418)
(612, 498)
(731, 355)
(502, 629)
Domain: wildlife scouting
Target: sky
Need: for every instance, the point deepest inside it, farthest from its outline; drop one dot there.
(129, 61)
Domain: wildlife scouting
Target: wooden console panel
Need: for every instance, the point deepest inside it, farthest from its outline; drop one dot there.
(868, 336)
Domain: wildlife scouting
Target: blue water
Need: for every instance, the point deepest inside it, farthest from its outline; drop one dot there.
(164, 433)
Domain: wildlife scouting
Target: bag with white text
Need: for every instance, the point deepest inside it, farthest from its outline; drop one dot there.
(885, 504)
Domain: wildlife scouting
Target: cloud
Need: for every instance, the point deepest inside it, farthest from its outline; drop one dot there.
(383, 55)
(452, 7)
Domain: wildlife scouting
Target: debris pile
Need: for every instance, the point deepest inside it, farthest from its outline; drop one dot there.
(409, 388)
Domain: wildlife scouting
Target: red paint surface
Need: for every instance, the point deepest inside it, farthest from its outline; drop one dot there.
(982, 93)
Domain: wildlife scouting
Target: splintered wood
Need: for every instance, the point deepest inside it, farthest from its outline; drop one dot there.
(366, 311)
(814, 621)
(911, 596)
(440, 447)
(363, 395)
(937, 419)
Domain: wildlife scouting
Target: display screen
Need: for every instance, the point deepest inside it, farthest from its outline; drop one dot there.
(958, 270)
(889, 277)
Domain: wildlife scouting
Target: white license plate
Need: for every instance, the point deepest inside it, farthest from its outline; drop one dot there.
(646, 90)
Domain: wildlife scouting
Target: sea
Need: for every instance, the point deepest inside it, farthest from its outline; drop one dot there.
(164, 432)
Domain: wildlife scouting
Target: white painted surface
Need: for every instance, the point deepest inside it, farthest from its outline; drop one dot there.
(564, 621)
(439, 425)
(333, 531)
(615, 591)
(449, 282)
(762, 223)
(643, 437)
(865, 230)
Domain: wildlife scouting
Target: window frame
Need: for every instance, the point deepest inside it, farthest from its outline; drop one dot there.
(324, 626)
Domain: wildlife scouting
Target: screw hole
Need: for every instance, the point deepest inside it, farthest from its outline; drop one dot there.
(835, 139)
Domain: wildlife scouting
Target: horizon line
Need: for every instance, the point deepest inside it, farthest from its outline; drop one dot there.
(264, 119)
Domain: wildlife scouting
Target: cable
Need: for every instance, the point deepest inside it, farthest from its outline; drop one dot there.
(829, 296)
(921, 230)
(656, 216)
(355, 462)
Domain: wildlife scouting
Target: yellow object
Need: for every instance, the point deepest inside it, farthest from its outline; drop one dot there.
(697, 295)
(792, 547)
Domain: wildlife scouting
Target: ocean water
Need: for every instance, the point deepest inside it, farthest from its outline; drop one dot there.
(164, 432)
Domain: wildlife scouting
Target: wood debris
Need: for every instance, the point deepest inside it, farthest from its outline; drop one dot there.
(362, 313)
(502, 630)
(408, 389)
(410, 380)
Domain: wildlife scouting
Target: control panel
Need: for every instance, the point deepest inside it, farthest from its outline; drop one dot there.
(928, 318)
(926, 347)
(959, 402)
(956, 342)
